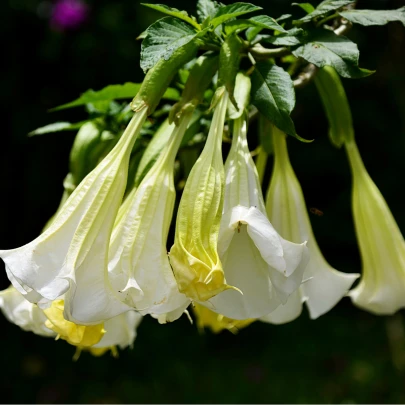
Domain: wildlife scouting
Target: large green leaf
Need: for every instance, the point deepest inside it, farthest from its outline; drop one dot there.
(239, 25)
(273, 94)
(267, 22)
(174, 12)
(206, 9)
(374, 17)
(57, 127)
(113, 92)
(225, 13)
(163, 38)
(325, 48)
(325, 7)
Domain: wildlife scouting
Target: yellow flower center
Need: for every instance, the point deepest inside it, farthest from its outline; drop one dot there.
(77, 335)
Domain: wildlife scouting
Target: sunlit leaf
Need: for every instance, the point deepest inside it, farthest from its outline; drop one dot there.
(206, 9)
(325, 48)
(225, 13)
(307, 7)
(163, 38)
(325, 7)
(273, 94)
(57, 127)
(113, 92)
(174, 12)
(374, 17)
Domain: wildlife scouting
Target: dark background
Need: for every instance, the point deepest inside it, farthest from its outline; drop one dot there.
(346, 356)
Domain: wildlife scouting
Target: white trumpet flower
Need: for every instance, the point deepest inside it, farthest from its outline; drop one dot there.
(119, 331)
(382, 287)
(256, 260)
(70, 258)
(23, 313)
(323, 286)
(138, 261)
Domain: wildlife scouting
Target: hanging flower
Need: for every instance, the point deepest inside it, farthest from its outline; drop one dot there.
(205, 318)
(119, 331)
(138, 262)
(194, 256)
(382, 247)
(27, 316)
(323, 286)
(70, 258)
(256, 260)
(76, 335)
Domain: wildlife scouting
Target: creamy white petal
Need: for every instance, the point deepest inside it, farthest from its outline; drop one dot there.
(286, 313)
(23, 313)
(245, 269)
(139, 263)
(120, 331)
(71, 255)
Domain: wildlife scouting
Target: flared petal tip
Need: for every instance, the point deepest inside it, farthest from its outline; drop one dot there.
(380, 303)
(325, 290)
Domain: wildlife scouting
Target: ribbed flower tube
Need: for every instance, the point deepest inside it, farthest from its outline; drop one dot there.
(323, 286)
(194, 256)
(138, 262)
(382, 247)
(70, 257)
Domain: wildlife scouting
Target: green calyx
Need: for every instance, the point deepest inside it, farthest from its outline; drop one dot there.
(198, 81)
(158, 78)
(229, 59)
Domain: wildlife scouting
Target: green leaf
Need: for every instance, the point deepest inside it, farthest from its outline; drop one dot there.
(325, 48)
(113, 92)
(252, 32)
(238, 25)
(57, 127)
(206, 9)
(283, 17)
(273, 94)
(293, 37)
(307, 7)
(325, 7)
(174, 12)
(267, 22)
(229, 58)
(231, 11)
(282, 40)
(163, 38)
(374, 17)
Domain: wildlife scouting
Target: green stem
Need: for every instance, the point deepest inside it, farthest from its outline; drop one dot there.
(324, 20)
(261, 162)
(260, 52)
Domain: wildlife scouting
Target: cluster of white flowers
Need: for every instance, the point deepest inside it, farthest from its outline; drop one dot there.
(102, 262)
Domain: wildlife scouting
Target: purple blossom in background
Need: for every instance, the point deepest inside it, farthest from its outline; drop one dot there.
(68, 14)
